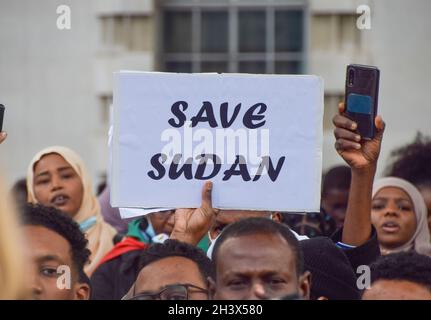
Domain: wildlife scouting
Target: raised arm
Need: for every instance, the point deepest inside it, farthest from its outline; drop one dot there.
(361, 155)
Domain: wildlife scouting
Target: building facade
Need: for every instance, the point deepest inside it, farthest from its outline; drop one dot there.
(57, 84)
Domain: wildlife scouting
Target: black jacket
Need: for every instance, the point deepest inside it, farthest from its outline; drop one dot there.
(113, 279)
(364, 254)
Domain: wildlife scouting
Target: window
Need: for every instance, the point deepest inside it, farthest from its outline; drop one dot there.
(214, 33)
(204, 37)
(288, 31)
(252, 30)
(178, 26)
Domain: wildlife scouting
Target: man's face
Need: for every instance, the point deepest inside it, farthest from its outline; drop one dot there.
(156, 276)
(396, 290)
(226, 217)
(162, 222)
(334, 201)
(258, 266)
(46, 252)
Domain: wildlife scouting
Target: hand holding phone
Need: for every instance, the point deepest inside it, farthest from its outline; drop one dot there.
(361, 98)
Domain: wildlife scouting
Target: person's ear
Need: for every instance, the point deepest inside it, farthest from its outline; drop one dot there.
(276, 216)
(82, 291)
(211, 288)
(305, 285)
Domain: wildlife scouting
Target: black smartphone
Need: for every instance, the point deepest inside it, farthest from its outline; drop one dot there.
(361, 97)
(2, 108)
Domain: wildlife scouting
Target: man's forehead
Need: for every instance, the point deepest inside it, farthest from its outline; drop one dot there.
(42, 241)
(166, 271)
(396, 289)
(236, 215)
(253, 246)
(255, 253)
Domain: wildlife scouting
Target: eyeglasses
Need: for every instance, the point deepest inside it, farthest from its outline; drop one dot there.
(171, 292)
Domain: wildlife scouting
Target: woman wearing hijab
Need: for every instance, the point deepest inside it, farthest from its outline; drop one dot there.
(57, 177)
(400, 216)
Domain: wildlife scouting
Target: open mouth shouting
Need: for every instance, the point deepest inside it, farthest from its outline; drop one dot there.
(59, 200)
(390, 227)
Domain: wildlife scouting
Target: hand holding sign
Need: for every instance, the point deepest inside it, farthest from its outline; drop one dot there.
(358, 154)
(192, 224)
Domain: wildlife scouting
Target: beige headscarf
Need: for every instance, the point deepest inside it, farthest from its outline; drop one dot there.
(100, 235)
(420, 242)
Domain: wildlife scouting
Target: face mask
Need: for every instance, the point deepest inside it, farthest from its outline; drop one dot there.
(211, 247)
(160, 238)
(155, 238)
(87, 224)
(211, 239)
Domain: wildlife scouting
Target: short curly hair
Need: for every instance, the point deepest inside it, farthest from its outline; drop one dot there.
(407, 266)
(59, 222)
(338, 177)
(412, 161)
(174, 248)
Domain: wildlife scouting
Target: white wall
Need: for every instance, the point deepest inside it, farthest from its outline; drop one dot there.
(399, 44)
(46, 83)
(50, 79)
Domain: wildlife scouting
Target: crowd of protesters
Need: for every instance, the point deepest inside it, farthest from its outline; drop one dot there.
(371, 239)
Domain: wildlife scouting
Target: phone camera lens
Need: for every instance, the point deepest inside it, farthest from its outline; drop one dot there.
(351, 77)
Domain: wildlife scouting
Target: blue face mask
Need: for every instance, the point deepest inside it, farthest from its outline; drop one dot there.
(150, 230)
(151, 234)
(87, 224)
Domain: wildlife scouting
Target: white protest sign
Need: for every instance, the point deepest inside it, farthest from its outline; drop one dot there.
(127, 213)
(258, 138)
